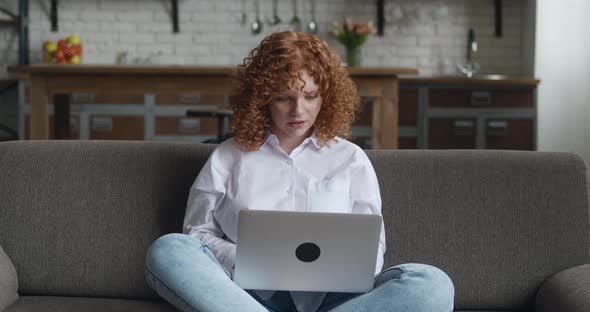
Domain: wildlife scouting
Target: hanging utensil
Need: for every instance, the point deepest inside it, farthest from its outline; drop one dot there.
(275, 20)
(312, 26)
(295, 21)
(257, 24)
(244, 17)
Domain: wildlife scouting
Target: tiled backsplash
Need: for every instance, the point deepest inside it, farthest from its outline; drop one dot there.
(430, 35)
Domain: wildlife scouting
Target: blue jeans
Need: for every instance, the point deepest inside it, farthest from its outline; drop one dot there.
(183, 271)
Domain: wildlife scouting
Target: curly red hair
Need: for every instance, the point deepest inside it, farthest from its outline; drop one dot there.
(275, 66)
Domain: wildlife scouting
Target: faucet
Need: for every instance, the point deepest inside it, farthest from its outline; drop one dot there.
(470, 67)
(471, 44)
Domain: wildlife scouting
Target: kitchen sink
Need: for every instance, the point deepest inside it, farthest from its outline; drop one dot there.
(489, 77)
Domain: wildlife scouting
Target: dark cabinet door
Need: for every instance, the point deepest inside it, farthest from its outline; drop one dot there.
(107, 127)
(408, 107)
(512, 134)
(407, 143)
(451, 133)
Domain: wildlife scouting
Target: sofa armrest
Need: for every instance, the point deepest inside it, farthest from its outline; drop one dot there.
(8, 281)
(567, 291)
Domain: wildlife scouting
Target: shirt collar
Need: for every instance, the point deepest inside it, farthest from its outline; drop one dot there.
(271, 139)
(274, 140)
(314, 140)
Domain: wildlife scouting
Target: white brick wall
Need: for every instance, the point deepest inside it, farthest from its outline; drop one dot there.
(428, 34)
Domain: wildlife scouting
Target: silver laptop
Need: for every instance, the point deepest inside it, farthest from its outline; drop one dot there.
(305, 251)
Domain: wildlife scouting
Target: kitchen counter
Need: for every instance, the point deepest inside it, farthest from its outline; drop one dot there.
(59, 81)
(484, 80)
(177, 70)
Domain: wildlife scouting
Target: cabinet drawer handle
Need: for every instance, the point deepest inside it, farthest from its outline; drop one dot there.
(497, 128)
(101, 124)
(480, 98)
(463, 128)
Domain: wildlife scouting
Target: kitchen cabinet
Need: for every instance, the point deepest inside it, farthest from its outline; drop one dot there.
(451, 133)
(107, 127)
(188, 85)
(516, 134)
(468, 113)
(126, 117)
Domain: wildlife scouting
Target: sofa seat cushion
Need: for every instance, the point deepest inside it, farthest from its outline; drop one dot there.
(67, 304)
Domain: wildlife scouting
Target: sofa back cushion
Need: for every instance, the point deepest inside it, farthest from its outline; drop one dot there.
(77, 217)
(498, 222)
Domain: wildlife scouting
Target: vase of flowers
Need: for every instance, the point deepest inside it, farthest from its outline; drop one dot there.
(352, 36)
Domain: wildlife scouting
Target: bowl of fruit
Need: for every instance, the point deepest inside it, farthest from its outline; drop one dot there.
(65, 51)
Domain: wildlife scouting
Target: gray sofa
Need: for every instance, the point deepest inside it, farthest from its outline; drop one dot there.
(76, 218)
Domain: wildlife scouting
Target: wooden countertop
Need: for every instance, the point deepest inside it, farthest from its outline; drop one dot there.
(490, 80)
(175, 70)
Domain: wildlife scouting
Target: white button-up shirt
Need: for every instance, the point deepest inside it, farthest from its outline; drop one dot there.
(335, 178)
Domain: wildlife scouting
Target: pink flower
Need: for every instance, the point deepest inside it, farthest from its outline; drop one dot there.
(352, 34)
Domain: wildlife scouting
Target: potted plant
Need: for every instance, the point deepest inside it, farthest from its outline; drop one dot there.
(352, 36)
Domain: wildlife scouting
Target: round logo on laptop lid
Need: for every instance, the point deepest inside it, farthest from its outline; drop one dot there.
(307, 252)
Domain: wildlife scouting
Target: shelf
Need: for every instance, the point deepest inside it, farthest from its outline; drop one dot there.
(19, 21)
(8, 22)
(175, 26)
(380, 17)
(497, 17)
(9, 13)
(53, 16)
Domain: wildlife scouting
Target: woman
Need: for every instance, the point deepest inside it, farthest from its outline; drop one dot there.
(293, 106)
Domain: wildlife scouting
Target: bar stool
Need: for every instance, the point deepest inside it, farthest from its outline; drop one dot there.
(7, 133)
(221, 114)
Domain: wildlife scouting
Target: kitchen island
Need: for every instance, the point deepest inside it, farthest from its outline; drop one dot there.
(60, 81)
